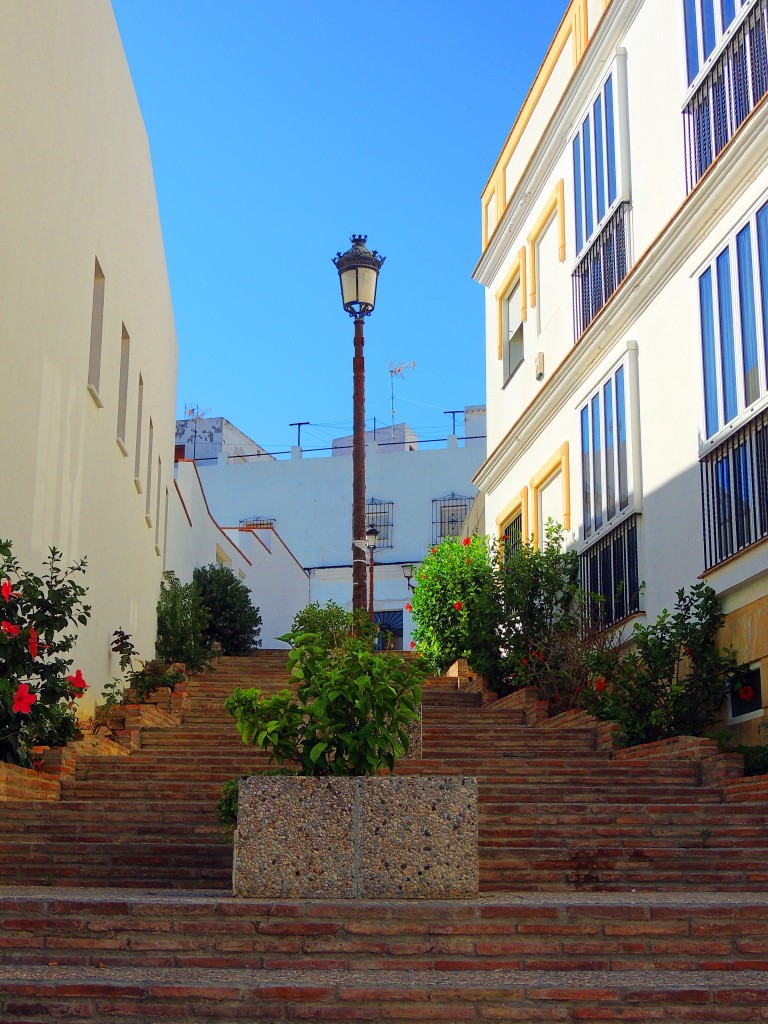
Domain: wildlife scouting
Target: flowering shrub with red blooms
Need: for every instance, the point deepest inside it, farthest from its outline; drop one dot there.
(39, 617)
(408, 606)
(746, 692)
(466, 542)
(458, 605)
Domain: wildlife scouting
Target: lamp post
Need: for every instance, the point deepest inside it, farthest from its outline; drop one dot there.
(407, 568)
(370, 540)
(358, 271)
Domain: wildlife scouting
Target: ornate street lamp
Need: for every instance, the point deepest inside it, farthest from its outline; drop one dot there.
(358, 271)
(370, 540)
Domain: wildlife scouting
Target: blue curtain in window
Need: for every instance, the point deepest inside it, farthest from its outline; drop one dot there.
(610, 140)
(597, 112)
(621, 432)
(586, 489)
(597, 459)
(691, 39)
(586, 143)
(577, 191)
(728, 8)
(762, 255)
(708, 26)
(727, 346)
(610, 484)
(709, 359)
(748, 317)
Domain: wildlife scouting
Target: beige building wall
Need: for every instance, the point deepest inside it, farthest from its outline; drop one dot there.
(80, 221)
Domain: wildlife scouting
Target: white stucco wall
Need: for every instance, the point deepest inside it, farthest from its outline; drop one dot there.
(77, 186)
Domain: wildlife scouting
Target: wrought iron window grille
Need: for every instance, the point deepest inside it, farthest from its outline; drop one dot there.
(381, 514)
(609, 571)
(448, 515)
(601, 269)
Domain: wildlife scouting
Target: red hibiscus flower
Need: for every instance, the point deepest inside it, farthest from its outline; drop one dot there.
(5, 587)
(600, 684)
(434, 550)
(78, 684)
(9, 629)
(412, 644)
(23, 699)
(525, 661)
(408, 607)
(466, 542)
(746, 692)
(32, 642)
(458, 605)
(504, 536)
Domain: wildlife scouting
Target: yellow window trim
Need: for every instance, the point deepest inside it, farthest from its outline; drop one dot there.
(559, 461)
(518, 504)
(517, 270)
(555, 203)
(575, 27)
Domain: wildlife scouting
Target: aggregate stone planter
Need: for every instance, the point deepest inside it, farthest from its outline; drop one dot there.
(381, 837)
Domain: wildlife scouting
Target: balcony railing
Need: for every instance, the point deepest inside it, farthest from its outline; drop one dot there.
(610, 574)
(601, 270)
(737, 80)
(734, 492)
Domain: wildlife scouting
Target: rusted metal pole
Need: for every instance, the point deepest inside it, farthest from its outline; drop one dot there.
(358, 469)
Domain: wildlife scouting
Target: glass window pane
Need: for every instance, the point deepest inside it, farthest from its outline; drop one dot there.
(708, 26)
(610, 483)
(727, 348)
(728, 8)
(577, 190)
(747, 316)
(597, 112)
(597, 462)
(621, 432)
(587, 144)
(691, 40)
(762, 255)
(586, 490)
(709, 358)
(610, 140)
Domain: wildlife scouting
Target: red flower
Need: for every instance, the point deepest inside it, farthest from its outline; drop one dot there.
(458, 605)
(5, 587)
(23, 699)
(412, 644)
(9, 629)
(746, 692)
(525, 661)
(504, 536)
(600, 684)
(466, 542)
(408, 607)
(78, 684)
(32, 642)
(469, 561)
(434, 550)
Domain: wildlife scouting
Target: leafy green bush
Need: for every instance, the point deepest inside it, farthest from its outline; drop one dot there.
(674, 679)
(182, 621)
(348, 716)
(39, 616)
(332, 626)
(755, 754)
(233, 622)
(150, 677)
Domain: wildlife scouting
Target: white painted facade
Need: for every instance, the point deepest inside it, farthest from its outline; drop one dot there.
(648, 331)
(305, 506)
(87, 335)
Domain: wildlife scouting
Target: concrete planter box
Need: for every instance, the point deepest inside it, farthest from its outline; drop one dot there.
(382, 837)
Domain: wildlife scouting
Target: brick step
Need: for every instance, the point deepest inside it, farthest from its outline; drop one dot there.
(128, 996)
(695, 931)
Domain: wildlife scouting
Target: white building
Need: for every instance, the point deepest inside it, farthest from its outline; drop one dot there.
(87, 336)
(303, 506)
(625, 262)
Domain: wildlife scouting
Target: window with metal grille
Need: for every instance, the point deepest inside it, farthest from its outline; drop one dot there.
(734, 82)
(734, 492)
(448, 515)
(381, 515)
(610, 574)
(512, 534)
(390, 635)
(601, 270)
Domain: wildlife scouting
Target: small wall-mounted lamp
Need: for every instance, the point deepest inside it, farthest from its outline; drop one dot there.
(408, 573)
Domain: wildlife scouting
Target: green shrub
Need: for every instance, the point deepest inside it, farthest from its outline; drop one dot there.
(674, 679)
(348, 716)
(39, 617)
(182, 621)
(233, 622)
(333, 627)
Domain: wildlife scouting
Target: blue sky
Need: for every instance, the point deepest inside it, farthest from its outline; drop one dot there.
(279, 129)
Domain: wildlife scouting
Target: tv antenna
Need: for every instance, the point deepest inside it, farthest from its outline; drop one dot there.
(195, 413)
(397, 370)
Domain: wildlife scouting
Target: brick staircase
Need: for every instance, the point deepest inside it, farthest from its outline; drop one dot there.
(613, 888)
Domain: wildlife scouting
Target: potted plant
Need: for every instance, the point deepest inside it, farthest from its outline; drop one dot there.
(328, 823)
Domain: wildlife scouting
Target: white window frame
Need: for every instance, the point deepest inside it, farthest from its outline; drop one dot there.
(513, 295)
(744, 411)
(618, 73)
(722, 35)
(750, 715)
(629, 362)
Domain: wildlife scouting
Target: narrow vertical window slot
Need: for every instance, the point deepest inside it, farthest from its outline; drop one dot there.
(147, 507)
(137, 456)
(97, 329)
(122, 394)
